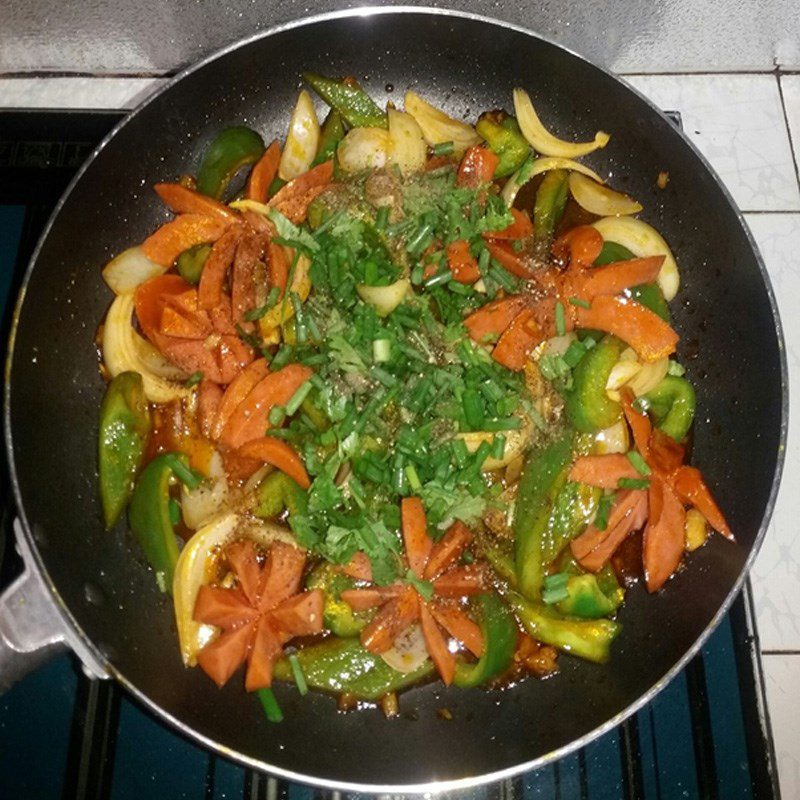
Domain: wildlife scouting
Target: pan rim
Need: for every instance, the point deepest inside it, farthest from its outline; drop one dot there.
(433, 786)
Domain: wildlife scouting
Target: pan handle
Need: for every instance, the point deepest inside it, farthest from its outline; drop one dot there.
(32, 627)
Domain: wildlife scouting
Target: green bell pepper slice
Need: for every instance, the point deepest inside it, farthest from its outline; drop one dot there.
(550, 202)
(532, 511)
(588, 406)
(499, 642)
(506, 141)
(344, 666)
(672, 404)
(149, 514)
(588, 639)
(331, 134)
(586, 599)
(340, 619)
(278, 493)
(192, 261)
(583, 600)
(611, 253)
(573, 507)
(357, 108)
(232, 149)
(648, 294)
(501, 561)
(124, 433)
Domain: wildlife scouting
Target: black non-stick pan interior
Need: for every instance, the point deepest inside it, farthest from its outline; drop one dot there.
(729, 344)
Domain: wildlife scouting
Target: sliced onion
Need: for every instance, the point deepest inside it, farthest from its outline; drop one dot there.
(408, 653)
(599, 199)
(517, 442)
(438, 128)
(542, 140)
(543, 164)
(385, 299)
(639, 377)
(123, 349)
(622, 372)
(363, 148)
(642, 240)
(254, 481)
(200, 505)
(196, 567)
(129, 269)
(613, 439)
(407, 147)
(250, 205)
(302, 140)
(649, 376)
(558, 345)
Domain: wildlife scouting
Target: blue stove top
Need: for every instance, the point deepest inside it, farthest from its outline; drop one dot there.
(63, 735)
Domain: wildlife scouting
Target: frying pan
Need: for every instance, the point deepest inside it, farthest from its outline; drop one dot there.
(91, 589)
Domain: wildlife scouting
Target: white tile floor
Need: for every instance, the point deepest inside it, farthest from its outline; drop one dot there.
(740, 123)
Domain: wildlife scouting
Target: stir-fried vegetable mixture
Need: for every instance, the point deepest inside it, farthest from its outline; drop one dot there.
(397, 401)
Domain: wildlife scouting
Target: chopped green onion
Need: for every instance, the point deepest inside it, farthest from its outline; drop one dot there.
(270, 704)
(439, 279)
(639, 464)
(384, 377)
(484, 260)
(555, 588)
(561, 323)
(190, 478)
(413, 479)
(577, 301)
(502, 424)
(381, 350)
(399, 480)
(603, 510)
(498, 447)
(443, 149)
(555, 580)
(370, 273)
(276, 416)
(676, 369)
(248, 338)
(502, 277)
(460, 452)
(297, 398)
(473, 408)
(382, 217)
(194, 379)
(297, 672)
(575, 352)
(418, 241)
(256, 313)
(551, 596)
(481, 454)
(633, 483)
(417, 274)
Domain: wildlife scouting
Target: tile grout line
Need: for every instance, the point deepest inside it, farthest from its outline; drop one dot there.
(780, 652)
(788, 129)
(785, 211)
